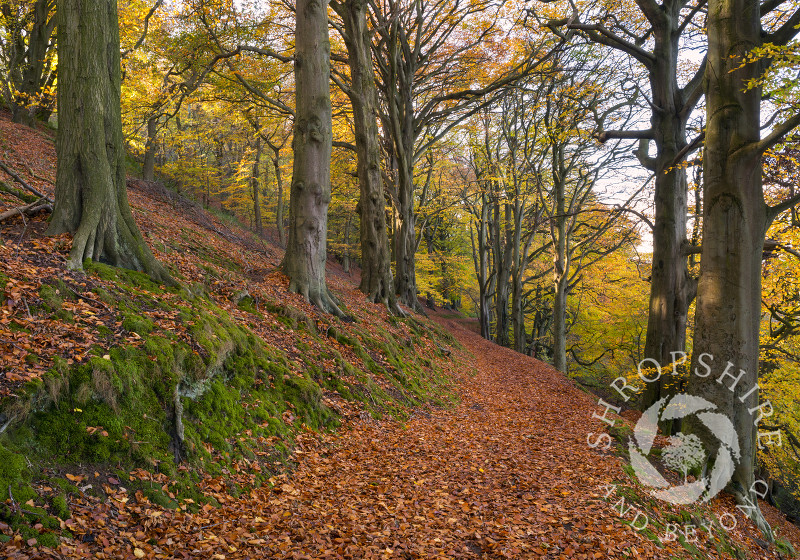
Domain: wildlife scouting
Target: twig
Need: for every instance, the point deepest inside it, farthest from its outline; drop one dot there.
(22, 182)
(15, 505)
(24, 229)
(35, 176)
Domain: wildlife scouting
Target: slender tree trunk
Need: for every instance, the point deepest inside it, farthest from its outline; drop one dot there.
(306, 250)
(561, 262)
(91, 199)
(735, 220)
(406, 240)
(518, 313)
(376, 266)
(503, 249)
(256, 185)
(276, 165)
(149, 163)
(480, 260)
(346, 256)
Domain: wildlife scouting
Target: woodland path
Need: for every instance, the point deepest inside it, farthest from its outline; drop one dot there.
(506, 473)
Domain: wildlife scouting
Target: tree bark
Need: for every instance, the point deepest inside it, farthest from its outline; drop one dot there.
(561, 265)
(91, 199)
(376, 266)
(346, 241)
(276, 165)
(149, 162)
(669, 279)
(310, 195)
(256, 186)
(503, 248)
(735, 220)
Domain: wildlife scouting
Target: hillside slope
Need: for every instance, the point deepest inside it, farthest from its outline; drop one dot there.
(104, 374)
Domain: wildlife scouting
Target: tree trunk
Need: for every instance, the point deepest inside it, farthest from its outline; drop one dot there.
(276, 164)
(256, 185)
(502, 265)
(346, 240)
(310, 195)
(735, 220)
(33, 102)
(91, 199)
(406, 238)
(561, 258)
(149, 163)
(376, 266)
(669, 280)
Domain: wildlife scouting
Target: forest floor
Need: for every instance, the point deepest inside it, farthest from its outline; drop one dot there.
(504, 473)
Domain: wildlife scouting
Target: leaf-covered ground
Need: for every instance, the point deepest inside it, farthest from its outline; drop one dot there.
(506, 473)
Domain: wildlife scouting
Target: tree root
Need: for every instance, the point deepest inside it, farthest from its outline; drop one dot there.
(748, 504)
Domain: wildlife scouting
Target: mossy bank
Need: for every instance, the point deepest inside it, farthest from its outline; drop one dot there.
(195, 399)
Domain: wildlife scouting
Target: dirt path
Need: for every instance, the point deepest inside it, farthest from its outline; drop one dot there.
(505, 474)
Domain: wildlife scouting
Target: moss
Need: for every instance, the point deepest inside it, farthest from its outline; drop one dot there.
(51, 297)
(65, 316)
(785, 548)
(123, 277)
(48, 540)
(12, 467)
(105, 296)
(137, 323)
(59, 506)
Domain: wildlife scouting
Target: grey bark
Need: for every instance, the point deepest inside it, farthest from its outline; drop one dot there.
(735, 220)
(91, 199)
(279, 209)
(255, 182)
(310, 195)
(376, 267)
(149, 162)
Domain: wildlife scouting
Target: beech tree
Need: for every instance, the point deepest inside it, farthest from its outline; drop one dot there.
(656, 47)
(310, 195)
(91, 199)
(376, 266)
(427, 71)
(735, 220)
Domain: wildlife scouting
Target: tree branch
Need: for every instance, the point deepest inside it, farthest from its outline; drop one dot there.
(606, 135)
(146, 22)
(778, 133)
(25, 185)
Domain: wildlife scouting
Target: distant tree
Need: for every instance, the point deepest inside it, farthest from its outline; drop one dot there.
(654, 35)
(91, 199)
(27, 58)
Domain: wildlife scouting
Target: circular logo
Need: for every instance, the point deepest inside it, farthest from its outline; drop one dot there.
(686, 451)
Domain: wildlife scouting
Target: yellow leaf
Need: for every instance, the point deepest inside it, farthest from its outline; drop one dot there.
(138, 552)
